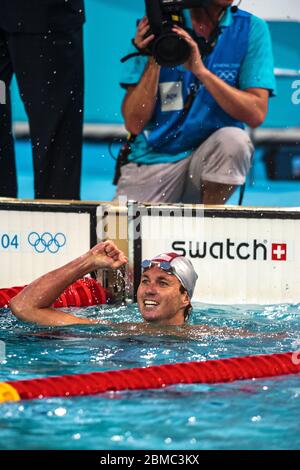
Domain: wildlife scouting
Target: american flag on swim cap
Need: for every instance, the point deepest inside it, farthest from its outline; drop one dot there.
(183, 270)
(166, 257)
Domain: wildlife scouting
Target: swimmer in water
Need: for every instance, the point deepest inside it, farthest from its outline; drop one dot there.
(164, 294)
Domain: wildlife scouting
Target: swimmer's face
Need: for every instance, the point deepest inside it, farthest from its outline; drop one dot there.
(159, 298)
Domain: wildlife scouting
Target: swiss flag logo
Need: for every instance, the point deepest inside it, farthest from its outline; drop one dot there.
(279, 251)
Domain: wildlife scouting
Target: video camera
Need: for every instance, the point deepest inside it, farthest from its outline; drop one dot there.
(167, 47)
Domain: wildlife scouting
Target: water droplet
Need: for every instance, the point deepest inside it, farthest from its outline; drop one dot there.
(192, 420)
(117, 438)
(256, 419)
(60, 411)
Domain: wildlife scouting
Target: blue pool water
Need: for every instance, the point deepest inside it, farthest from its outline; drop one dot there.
(252, 414)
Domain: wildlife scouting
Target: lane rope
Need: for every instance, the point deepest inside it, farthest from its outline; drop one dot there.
(82, 293)
(212, 371)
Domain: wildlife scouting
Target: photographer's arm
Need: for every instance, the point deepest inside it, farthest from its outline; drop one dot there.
(33, 304)
(249, 106)
(140, 99)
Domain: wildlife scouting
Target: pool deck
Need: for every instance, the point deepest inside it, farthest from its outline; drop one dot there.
(98, 168)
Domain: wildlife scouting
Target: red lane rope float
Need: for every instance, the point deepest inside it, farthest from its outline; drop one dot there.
(213, 371)
(82, 293)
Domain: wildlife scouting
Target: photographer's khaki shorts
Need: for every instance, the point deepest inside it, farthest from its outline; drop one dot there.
(225, 157)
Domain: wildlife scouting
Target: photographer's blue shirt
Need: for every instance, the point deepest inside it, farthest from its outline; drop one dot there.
(242, 57)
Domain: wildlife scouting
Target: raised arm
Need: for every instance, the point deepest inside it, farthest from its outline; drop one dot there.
(33, 304)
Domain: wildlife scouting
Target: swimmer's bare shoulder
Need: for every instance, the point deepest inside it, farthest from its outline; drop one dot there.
(194, 331)
(184, 331)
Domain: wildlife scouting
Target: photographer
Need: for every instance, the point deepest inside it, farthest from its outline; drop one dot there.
(189, 141)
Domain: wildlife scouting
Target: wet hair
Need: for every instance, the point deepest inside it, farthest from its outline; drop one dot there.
(188, 309)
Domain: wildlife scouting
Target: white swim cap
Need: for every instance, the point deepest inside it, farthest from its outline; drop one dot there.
(178, 265)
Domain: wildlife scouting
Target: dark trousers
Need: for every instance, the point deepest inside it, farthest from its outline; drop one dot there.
(49, 72)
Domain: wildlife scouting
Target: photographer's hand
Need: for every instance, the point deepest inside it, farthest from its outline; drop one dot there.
(143, 28)
(249, 106)
(194, 63)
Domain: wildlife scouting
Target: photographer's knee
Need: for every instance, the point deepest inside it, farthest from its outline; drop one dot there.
(235, 143)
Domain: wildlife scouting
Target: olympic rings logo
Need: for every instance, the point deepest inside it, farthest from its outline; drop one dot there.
(46, 241)
(227, 75)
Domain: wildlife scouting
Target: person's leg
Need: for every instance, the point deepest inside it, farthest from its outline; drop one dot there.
(153, 183)
(8, 177)
(216, 193)
(218, 166)
(49, 70)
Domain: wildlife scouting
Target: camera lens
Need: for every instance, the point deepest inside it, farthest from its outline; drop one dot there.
(170, 50)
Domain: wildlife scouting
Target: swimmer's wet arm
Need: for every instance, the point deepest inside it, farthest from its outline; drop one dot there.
(33, 304)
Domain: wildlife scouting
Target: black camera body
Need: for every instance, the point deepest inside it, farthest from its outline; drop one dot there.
(167, 47)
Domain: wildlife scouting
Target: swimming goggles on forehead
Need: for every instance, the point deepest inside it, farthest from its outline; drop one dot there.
(164, 265)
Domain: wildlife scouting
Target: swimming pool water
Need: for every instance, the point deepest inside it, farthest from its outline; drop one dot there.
(252, 414)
